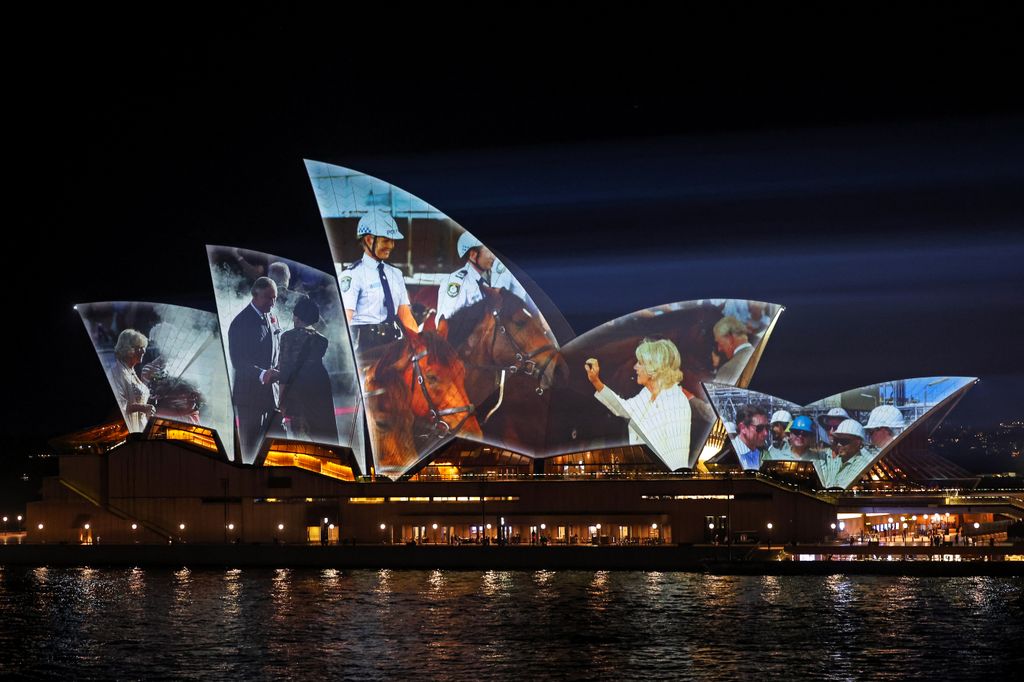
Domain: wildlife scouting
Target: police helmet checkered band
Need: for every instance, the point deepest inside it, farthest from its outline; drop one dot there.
(467, 242)
(379, 224)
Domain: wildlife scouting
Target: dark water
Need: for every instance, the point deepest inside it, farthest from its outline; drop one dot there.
(309, 624)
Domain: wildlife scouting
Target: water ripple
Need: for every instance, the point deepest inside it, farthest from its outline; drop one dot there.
(368, 625)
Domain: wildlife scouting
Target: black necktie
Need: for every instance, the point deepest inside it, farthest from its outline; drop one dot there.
(389, 302)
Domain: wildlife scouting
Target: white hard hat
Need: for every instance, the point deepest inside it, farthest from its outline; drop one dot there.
(730, 428)
(781, 416)
(467, 242)
(851, 427)
(888, 416)
(834, 412)
(379, 224)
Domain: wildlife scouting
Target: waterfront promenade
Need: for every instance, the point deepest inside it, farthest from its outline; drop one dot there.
(1001, 559)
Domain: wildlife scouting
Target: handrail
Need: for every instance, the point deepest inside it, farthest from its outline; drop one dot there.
(120, 513)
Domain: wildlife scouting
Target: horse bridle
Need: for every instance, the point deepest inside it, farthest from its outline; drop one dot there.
(524, 362)
(439, 427)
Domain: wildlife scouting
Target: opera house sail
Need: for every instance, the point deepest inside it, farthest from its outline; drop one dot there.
(427, 379)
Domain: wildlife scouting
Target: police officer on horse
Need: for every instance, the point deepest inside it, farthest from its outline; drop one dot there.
(373, 291)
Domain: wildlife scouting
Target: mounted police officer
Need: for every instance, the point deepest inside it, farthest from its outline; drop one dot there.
(462, 288)
(372, 291)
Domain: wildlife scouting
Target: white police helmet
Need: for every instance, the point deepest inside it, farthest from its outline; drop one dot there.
(379, 224)
(851, 427)
(887, 416)
(467, 242)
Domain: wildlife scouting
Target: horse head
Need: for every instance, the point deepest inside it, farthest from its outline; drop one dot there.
(516, 340)
(417, 381)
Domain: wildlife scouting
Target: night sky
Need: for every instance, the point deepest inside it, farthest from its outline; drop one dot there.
(882, 204)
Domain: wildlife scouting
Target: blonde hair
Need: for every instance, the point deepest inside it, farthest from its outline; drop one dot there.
(127, 341)
(661, 361)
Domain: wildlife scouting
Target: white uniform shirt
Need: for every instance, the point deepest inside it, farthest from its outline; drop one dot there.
(462, 289)
(835, 474)
(361, 290)
(663, 425)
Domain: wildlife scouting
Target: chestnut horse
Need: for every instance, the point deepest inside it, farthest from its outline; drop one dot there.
(415, 399)
(509, 354)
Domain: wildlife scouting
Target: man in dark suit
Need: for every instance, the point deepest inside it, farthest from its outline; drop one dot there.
(253, 339)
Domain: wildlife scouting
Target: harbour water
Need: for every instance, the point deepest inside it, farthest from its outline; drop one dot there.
(247, 624)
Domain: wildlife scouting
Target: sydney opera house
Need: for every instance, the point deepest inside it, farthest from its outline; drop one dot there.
(428, 391)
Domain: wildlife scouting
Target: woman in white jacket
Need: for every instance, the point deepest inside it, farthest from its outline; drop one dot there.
(659, 415)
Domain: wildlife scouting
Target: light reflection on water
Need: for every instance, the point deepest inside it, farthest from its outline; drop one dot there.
(294, 624)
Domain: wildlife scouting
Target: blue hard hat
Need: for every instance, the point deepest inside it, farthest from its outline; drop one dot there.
(802, 423)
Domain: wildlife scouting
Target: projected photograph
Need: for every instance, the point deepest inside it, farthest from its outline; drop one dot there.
(637, 379)
(447, 339)
(842, 435)
(162, 361)
(289, 357)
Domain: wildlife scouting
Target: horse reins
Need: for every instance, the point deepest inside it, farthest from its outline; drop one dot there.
(439, 426)
(524, 362)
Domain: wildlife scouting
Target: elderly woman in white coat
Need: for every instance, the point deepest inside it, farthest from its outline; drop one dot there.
(659, 415)
(131, 392)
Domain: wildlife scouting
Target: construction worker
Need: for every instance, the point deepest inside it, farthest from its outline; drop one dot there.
(884, 423)
(780, 423)
(462, 288)
(372, 291)
(848, 458)
(801, 442)
(832, 419)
